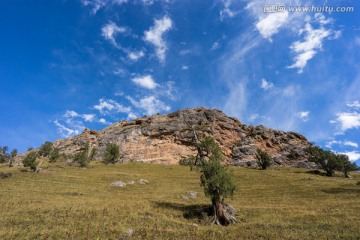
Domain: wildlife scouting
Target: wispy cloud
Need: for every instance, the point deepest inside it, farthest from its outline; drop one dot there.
(66, 131)
(96, 5)
(110, 107)
(304, 116)
(110, 30)
(347, 120)
(145, 82)
(343, 143)
(355, 104)
(312, 42)
(226, 12)
(266, 85)
(149, 105)
(353, 155)
(272, 23)
(155, 36)
(136, 55)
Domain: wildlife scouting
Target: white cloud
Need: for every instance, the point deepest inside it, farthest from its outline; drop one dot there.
(184, 67)
(215, 46)
(353, 155)
(226, 11)
(355, 104)
(272, 23)
(136, 55)
(312, 43)
(88, 117)
(105, 107)
(184, 52)
(110, 30)
(155, 36)
(150, 105)
(65, 131)
(351, 144)
(303, 115)
(266, 85)
(103, 121)
(145, 81)
(72, 114)
(98, 4)
(347, 120)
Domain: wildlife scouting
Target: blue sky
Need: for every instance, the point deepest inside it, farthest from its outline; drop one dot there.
(70, 64)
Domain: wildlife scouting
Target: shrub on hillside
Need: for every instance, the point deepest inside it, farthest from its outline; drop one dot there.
(45, 149)
(263, 158)
(111, 153)
(29, 160)
(82, 157)
(328, 160)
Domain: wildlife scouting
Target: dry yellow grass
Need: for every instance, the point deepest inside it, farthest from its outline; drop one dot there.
(64, 202)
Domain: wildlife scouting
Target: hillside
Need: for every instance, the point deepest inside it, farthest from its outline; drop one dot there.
(65, 202)
(168, 138)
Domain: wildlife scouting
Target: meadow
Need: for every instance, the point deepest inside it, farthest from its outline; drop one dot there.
(67, 202)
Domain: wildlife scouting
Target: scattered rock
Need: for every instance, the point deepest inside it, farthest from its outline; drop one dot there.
(184, 197)
(143, 181)
(129, 232)
(192, 194)
(130, 183)
(118, 184)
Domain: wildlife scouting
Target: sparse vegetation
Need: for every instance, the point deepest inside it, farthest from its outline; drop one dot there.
(346, 165)
(66, 202)
(111, 153)
(92, 154)
(263, 158)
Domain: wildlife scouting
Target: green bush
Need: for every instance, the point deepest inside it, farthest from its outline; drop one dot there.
(45, 149)
(29, 160)
(111, 153)
(328, 160)
(82, 157)
(263, 158)
(54, 155)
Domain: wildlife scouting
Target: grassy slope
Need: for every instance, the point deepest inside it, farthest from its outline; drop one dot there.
(74, 203)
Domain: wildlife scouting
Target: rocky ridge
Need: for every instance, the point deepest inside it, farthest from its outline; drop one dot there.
(168, 138)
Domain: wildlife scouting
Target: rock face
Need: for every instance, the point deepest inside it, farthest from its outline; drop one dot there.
(167, 138)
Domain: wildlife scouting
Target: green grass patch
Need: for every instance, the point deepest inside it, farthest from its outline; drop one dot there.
(79, 203)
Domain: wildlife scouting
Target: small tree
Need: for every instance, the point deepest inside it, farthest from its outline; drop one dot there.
(29, 160)
(82, 156)
(45, 149)
(328, 160)
(346, 165)
(13, 154)
(112, 153)
(4, 155)
(92, 154)
(54, 155)
(216, 180)
(263, 158)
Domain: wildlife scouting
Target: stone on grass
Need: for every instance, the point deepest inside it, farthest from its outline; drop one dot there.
(143, 181)
(118, 184)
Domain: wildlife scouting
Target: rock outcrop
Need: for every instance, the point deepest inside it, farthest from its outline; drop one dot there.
(168, 138)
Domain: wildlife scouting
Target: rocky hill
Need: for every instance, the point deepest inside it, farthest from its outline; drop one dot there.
(168, 138)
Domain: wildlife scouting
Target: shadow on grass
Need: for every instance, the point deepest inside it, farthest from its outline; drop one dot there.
(342, 190)
(202, 212)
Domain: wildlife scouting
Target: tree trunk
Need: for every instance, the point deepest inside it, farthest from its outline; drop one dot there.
(222, 212)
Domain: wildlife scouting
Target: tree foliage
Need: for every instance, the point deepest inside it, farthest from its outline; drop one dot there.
(30, 160)
(263, 158)
(215, 178)
(328, 160)
(111, 153)
(82, 157)
(45, 149)
(54, 155)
